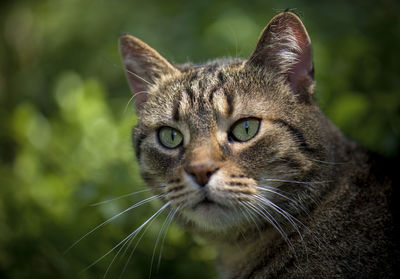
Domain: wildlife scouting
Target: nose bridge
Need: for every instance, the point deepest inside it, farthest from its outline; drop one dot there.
(203, 151)
(202, 160)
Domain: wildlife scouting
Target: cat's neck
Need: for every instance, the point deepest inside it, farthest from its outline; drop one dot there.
(240, 256)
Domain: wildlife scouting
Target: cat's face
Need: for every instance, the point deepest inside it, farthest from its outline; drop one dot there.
(232, 143)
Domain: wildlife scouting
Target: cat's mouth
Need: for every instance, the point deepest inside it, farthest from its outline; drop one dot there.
(207, 202)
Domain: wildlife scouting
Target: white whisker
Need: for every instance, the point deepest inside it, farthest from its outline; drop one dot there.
(158, 239)
(123, 196)
(165, 234)
(133, 97)
(112, 218)
(327, 162)
(297, 182)
(270, 219)
(134, 248)
(129, 242)
(137, 76)
(292, 220)
(116, 255)
(134, 233)
(275, 191)
(251, 213)
(285, 214)
(279, 228)
(297, 203)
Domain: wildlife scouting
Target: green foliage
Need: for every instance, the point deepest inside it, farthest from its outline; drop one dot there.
(66, 119)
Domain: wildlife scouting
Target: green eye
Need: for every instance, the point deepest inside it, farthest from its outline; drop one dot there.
(169, 137)
(245, 129)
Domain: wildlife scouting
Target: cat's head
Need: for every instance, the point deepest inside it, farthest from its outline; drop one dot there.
(233, 143)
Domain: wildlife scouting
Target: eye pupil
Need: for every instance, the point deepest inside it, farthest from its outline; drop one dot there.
(246, 126)
(173, 133)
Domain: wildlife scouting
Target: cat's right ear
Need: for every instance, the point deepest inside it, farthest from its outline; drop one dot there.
(143, 67)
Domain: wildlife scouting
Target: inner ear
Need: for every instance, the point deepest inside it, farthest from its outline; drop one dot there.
(285, 47)
(144, 67)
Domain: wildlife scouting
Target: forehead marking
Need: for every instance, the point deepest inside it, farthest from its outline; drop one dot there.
(176, 108)
(201, 89)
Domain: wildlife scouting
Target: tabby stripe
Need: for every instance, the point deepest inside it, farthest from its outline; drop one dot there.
(200, 85)
(230, 101)
(211, 96)
(221, 77)
(175, 109)
(138, 142)
(193, 77)
(296, 134)
(189, 90)
(201, 109)
(190, 94)
(212, 68)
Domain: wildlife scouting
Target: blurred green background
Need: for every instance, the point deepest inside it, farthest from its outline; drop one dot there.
(65, 129)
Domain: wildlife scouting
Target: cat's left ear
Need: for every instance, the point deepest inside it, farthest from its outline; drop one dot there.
(285, 47)
(143, 67)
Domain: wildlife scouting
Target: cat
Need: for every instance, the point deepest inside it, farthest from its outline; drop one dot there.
(242, 154)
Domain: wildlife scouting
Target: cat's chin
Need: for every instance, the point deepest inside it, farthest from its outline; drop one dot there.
(210, 216)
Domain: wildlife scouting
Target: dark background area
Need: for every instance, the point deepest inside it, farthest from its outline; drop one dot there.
(65, 128)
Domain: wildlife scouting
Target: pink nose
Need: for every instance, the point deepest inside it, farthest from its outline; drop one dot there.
(201, 173)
